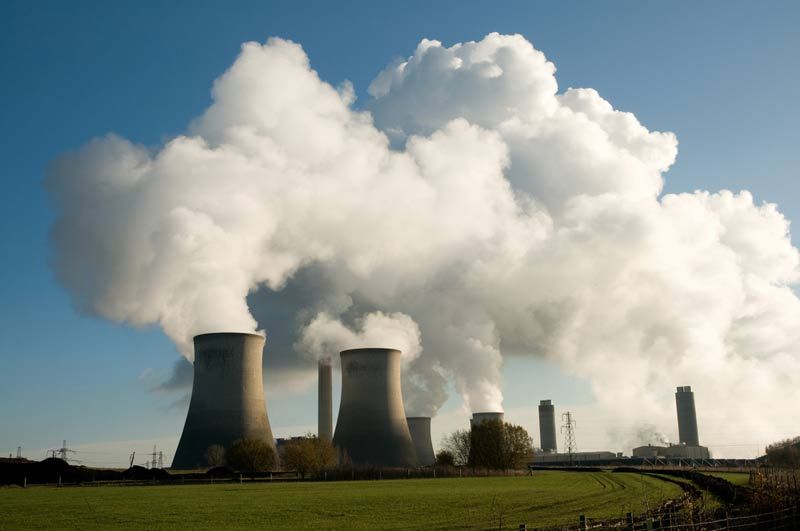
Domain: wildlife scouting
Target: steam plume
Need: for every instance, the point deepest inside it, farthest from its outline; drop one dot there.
(470, 206)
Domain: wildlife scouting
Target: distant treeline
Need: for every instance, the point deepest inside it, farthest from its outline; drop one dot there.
(784, 453)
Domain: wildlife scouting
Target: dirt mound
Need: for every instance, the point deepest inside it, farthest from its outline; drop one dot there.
(51, 470)
(137, 472)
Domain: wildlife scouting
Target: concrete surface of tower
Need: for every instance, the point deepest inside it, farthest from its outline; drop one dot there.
(227, 401)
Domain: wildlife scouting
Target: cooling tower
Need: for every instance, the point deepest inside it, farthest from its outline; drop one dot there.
(547, 426)
(227, 396)
(478, 418)
(687, 417)
(420, 428)
(371, 428)
(325, 400)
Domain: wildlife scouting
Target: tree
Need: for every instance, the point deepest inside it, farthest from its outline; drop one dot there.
(784, 453)
(326, 454)
(487, 444)
(251, 455)
(517, 446)
(308, 454)
(445, 458)
(491, 444)
(297, 455)
(215, 455)
(458, 444)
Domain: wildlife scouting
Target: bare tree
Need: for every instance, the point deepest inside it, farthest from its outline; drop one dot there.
(215, 455)
(458, 444)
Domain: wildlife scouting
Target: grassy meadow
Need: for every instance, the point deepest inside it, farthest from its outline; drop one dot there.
(741, 479)
(546, 498)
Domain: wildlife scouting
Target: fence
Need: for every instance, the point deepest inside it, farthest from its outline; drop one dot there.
(783, 519)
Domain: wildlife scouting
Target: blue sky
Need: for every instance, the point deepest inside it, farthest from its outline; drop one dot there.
(723, 76)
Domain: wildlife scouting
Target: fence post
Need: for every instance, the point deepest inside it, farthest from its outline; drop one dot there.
(59, 481)
(629, 521)
(25, 482)
(582, 522)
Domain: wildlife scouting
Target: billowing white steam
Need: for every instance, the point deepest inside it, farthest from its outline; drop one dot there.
(325, 336)
(500, 216)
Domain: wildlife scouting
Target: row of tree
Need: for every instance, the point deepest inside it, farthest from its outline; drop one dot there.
(304, 455)
(491, 444)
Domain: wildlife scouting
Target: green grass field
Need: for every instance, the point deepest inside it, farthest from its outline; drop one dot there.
(547, 498)
(741, 479)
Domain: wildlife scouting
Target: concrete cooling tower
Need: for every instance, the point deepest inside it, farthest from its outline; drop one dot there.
(371, 428)
(478, 418)
(325, 400)
(547, 426)
(227, 396)
(687, 417)
(420, 428)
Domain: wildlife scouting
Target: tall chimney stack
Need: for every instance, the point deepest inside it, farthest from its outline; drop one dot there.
(371, 428)
(687, 417)
(227, 396)
(547, 426)
(325, 400)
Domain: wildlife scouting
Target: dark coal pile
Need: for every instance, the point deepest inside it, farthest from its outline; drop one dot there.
(51, 470)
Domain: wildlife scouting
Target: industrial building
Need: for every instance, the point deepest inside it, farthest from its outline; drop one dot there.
(547, 427)
(575, 458)
(689, 445)
(672, 451)
(687, 417)
(420, 428)
(227, 401)
(478, 418)
(227, 404)
(371, 429)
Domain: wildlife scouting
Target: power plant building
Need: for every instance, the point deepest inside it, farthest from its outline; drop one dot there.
(420, 428)
(687, 417)
(672, 451)
(479, 418)
(575, 458)
(227, 401)
(547, 427)
(325, 400)
(371, 429)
